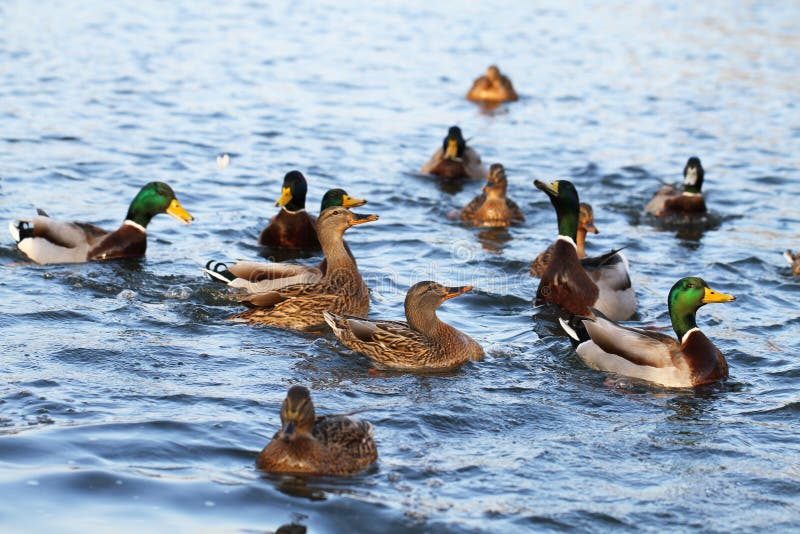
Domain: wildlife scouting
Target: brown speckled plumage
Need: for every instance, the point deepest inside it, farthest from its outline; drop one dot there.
(422, 343)
(492, 208)
(326, 445)
(492, 87)
(341, 289)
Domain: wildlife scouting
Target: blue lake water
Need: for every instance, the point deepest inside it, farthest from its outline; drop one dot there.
(128, 402)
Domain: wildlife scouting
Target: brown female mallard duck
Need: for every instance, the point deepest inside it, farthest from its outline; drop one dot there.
(325, 445)
(261, 277)
(687, 200)
(492, 87)
(422, 343)
(605, 285)
(341, 289)
(293, 227)
(491, 208)
(45, 240)
(794, 261)
(455, 159)
(585, 225)
(690, 361)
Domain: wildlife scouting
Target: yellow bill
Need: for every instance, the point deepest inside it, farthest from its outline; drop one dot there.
(176, 210)
(712, 296)
(452, 149)
(286, 197)
(350, 202)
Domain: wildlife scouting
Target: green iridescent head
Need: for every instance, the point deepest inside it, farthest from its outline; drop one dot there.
(339, 197)
(155, 198)
(564, 198)
(686, 297)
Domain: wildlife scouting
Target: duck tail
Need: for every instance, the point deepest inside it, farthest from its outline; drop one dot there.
(573, 327)
(789, 256)
(331, 320)
(20, 230)
(219, 272)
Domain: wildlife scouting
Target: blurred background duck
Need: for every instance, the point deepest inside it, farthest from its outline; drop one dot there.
(341, 289)
(293, 227)
(794, 261)
(566, 283)
(691, 360)
(686, 199)
(492, 87)
(455, 159)
(261, 277)
(45, 240)
(324, 445)
(492, 208)
(424, 342)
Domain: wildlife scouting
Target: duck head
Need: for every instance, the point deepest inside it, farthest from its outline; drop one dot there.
(497, 183)
(155, 198)
(293, 192)
(429, 295)
(493, 73)
(693, 174)
(586, 219)
(686, 297)
(297, 414)
(454, 143)
(339, 197)
(564, 198)
(337, 219)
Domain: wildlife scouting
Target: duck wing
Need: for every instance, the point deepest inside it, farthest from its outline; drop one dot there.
(637, 346)
(49, 241)
(657, 203)
(611, 268)
(437, 157)
(263, 277)
(472, 164)
(470, 211)
(349, 441)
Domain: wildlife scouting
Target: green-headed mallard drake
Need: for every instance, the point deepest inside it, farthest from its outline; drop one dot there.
(690, 361)
(261, 277)
(491, 208)
(422, 343)
(341, 289)
(492, 87)
(325, 445)
(455, 159)
(45, 240)
(585, 225)
(293, 226)
(676, 200)
(605, 285)
(794, 261)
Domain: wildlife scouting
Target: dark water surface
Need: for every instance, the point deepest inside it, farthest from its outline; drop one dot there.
(127, 402)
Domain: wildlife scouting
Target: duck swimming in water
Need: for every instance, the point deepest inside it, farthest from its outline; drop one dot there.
(492, 87)
(422, 343)
(492, 208)
(455, 159)
(570, 285)
(324, 445)
(677, 200)
(293, 227)
(691, 360)
(45, 240)
(341, 289)
(262, 277)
